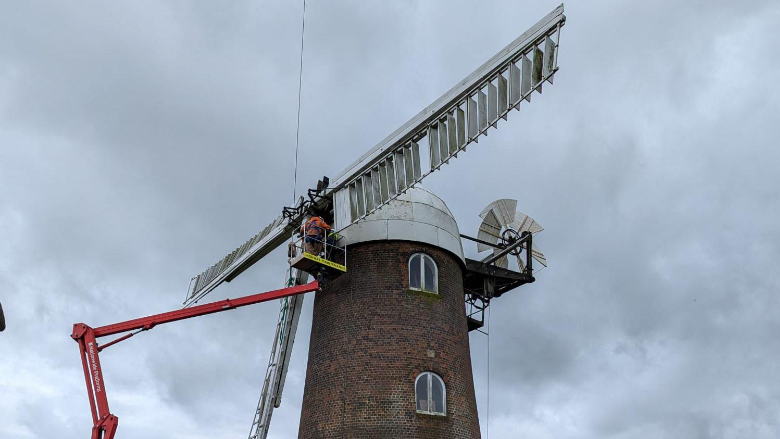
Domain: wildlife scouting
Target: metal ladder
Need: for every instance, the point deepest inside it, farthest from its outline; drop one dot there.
(273, 384)
(259, 422)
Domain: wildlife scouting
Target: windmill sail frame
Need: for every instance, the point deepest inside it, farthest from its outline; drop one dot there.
(448, 125)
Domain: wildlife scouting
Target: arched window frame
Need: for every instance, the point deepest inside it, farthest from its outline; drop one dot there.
(423, 286)
(431, 376)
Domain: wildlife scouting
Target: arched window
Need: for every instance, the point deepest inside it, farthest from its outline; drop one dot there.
(423, 274)
(430, 394)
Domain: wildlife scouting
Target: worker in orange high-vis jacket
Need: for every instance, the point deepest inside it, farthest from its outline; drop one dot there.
(315, 231)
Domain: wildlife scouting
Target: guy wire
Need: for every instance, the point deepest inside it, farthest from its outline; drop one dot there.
(300, 84)
(487, 421)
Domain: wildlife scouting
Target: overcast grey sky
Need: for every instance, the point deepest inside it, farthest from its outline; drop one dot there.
(141, 141)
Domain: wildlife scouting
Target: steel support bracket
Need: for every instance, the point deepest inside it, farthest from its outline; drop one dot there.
(79, 329)
(106, 428)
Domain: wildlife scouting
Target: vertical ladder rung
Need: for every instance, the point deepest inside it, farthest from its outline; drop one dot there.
(409, 166)
(471, 107)
(383, 182)
(443, 149)
(514, 85)
(391, 184)
(361, 207)
(492, 103)
(353, 209)
(549, 61)
(538, 67)
(400, 176)
(417, 164)
(452, 135)
(376, 183)
(461, 117)
(433, 146)
(482, 106)
(369, 192)
(502, 102)
(525, 87)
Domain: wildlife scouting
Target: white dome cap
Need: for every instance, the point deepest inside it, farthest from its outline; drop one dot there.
(417, 216)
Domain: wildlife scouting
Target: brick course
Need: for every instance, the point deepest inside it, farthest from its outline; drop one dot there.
(370, 339)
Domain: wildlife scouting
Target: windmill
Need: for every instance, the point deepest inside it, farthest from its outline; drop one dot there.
(389, 351)
(442, 130)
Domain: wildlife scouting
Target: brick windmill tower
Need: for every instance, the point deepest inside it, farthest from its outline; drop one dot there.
(389, 350)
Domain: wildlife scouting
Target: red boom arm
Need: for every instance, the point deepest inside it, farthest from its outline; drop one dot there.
(104, 423)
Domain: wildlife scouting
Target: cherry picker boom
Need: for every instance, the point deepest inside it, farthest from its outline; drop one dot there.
(105, 423)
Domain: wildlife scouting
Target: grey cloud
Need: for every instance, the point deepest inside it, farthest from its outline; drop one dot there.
(140, 142)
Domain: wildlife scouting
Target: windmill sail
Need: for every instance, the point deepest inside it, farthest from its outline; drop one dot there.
(421, 146)
(227, 268)
(452, 122)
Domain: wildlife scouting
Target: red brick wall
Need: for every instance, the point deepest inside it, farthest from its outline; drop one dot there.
(370, 339)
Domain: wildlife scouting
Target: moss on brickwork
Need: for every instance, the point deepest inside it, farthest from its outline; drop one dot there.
(430, 296)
